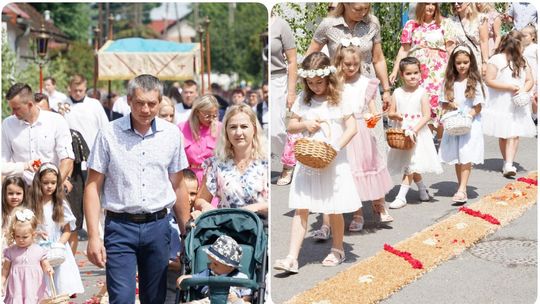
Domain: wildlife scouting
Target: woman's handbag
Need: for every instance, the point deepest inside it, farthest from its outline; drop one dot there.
(456, 123)
(314, 153)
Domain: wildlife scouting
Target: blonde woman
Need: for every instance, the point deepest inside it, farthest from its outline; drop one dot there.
(200, 132)
(238, 173)
(471, 28)
(494, 21)
(166, 109)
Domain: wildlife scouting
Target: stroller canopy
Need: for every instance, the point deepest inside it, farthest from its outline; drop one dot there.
(242, 225)
(124, 59)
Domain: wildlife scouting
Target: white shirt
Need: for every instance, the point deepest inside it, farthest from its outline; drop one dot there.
(48, 139)
(181, 114)
(56, 98)
(87, 117)
(121, 106)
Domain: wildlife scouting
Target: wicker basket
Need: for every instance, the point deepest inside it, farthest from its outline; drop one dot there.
(456, 123)
(522, 99)
(55, 299)
(396, 139)
(314, 153)
(56, 254)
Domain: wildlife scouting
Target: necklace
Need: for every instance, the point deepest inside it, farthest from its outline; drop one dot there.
(242, 164)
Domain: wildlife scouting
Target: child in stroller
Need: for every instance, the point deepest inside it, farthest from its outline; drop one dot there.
(224, 256)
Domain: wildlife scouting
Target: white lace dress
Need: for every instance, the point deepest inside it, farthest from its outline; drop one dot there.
(422, 158)
(329, 190)
(67, 277)
(501, 118)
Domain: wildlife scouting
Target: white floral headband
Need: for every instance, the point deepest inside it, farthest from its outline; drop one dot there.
(319, 72)
(48, 166)
(24, 215)
(462, 48)
(346, 42)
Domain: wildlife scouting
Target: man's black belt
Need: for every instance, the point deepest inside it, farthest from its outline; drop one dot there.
(138, 218)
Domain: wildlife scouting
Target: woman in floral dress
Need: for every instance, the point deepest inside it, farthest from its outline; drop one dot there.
(238, 171)
(494, 21)
(471, 28)
(429, 38)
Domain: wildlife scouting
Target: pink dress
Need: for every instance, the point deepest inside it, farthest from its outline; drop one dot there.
(26, 282)
(198, 151)
(367, 165)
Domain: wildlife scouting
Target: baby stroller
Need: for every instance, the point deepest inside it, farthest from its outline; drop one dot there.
(243, 226)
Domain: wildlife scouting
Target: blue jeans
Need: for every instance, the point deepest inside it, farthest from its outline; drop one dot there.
(131, 246)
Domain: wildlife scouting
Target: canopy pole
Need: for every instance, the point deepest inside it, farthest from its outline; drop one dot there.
(96, 48)
(200, 30)
(207, 26)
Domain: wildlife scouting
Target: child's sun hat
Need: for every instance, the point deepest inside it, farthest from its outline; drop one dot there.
(226, 251)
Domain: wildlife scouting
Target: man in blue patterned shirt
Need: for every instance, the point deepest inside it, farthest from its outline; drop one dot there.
(136, 165)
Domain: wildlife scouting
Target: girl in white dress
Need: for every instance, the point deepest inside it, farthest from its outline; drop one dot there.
(463, 92)
(411, 110)
(530, 52)
(55, 224)
(319, 111)
(508, 74)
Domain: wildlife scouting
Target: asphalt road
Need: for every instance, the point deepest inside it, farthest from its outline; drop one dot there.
(502, 268)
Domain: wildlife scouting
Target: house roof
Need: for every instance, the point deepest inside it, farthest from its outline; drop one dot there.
(159, 25)
(34, 19)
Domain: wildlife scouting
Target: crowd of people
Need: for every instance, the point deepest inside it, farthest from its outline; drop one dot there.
(71, 162)
(458, 65)
(134, 170)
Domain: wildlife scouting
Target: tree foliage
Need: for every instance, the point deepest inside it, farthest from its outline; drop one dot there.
(303, 18)
(236, 47)
(73, 19)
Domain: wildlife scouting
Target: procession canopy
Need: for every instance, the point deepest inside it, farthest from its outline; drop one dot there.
(124, 59)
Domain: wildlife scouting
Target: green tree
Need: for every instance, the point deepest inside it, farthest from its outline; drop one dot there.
(303, 21)
(236, 47)
(73, 19)
(8, 72)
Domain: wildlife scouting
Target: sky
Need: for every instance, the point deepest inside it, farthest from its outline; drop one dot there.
(166, 10)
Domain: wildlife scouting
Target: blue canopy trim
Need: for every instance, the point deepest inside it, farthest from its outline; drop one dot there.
(140, 45)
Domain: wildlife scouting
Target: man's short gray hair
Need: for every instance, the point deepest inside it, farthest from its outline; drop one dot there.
(145, 82)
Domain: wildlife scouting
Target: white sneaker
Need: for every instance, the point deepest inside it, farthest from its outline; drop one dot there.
(424, 195)
(397, 203)
(509, 170)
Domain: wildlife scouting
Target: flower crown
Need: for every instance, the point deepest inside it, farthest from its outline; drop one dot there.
(24, 215)
(319, 72)
(346, 42)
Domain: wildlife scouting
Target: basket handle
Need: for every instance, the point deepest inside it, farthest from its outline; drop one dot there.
(51, 282)
(329, 135)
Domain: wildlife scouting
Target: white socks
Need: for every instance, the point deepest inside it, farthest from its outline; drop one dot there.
(420, 185)
(403, 192)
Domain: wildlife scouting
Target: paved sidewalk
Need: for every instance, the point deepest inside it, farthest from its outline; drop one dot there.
(492, 271)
